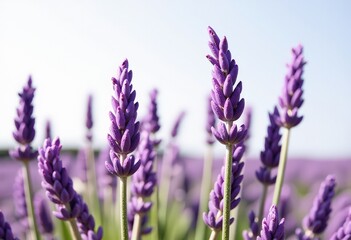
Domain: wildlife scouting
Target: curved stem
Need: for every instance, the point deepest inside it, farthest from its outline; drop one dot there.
(227, 187)
(29, 201)
(281, 168)
(136, 226)
(74, 229)
(213, 235)
(205, 190)
(123, 207)
(262, 204)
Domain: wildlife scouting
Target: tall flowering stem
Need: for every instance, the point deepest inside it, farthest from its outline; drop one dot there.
(290, 102)
(24, 135)
(91, 166)
(228, 106)
(151, 124)
(214, 217)
(142, 187)
(206, 172)
(269, 158)
(123, 137)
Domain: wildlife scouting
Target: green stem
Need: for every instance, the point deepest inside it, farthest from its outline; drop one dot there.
(213, 235)
(227, 187)
(74, 229)
(154, 210)
(123, 207)
(281, 168)
(136, 226)
(205, 189)
(262, 204)
(165, 182)
(29, 201)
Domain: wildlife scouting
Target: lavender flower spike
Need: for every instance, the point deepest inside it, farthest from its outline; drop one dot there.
(59, 189)
(291, 99)
(214, 218)
(272, 228)
(344, 232)
(226, 102)
(176, 124)
(271, 153)
(5, 229)
(89, 119)
(151, 120)
(19, 199)
(45, 223)
(124, 131)
(24, 123)
(143, 185)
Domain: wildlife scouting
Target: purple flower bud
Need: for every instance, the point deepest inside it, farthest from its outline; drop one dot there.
(272, 227)
(291, 98)
(344, 232)
(271, 153)
(124, 131)
(214, 218)
(254, 228)
(226, 102)
(317, 219)
(59, 189)
(151, 120)
(89, 119)
(42, 215)
(234, 136)
(24, 124)
(143, 182)
(176, 124)
(48, 129)
(5, 229)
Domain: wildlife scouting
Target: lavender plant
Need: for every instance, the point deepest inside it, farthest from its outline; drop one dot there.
(344, 232)
(143, 185)
(59, 189)
(5, 229)
(214, 217)
(228, 107)
(24, 134)
(290, 102)
(272, 227)
(316, 221)
(123, 137)
(46, 226)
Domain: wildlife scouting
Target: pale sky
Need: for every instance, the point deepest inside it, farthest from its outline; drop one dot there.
(73, 48)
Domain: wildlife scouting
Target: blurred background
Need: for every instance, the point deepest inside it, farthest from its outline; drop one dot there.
(73, 48)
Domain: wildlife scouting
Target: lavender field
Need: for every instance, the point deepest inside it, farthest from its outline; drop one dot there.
(175, 121)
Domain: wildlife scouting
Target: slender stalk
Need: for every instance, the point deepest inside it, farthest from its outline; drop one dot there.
(204, 195)
(227, 187)
(262, 203)
(74, 229)
(281, 168)
(29, 201)
(123, 207)
(155, 208)
(136, 227)
(92, 184)
(235, 212)
(213, 235)
(164, 188)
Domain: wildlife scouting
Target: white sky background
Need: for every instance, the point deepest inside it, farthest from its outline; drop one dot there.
(73, 48)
